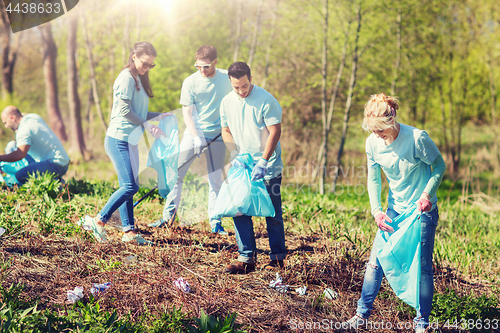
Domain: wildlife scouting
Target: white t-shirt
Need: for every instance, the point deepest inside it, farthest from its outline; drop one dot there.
(247, 119)
(44, 144)
(206, 93)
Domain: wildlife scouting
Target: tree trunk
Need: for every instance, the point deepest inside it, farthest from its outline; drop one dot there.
(89, 116)
(271, 41)
(256, 32)
(494, 121)
(138, 20)
(9, 55)
(321, 162)
(93, 80)
(398, 52)
(50, 75)
(323, 96)
(76, 137)
(237, 37)
(348, 103)
(126, 34)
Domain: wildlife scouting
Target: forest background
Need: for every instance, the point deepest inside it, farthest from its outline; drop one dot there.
(321, 59)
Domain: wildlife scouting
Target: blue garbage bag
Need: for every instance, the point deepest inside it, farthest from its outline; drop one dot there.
(164, 155)
(240, 196)
(399, 255)
(10, 168)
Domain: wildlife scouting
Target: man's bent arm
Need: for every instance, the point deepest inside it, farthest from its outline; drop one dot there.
(16, 155)
(272, 140)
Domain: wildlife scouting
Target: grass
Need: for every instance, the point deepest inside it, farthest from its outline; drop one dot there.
(44, 253)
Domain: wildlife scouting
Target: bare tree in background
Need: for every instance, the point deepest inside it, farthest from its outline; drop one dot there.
(256, 32)
(322, 156)
(76, 136)
(237, 38)
(323, 93)
(348, 103)
(270, 45)
(9, 54)
(397, 65)
(50, 76)
(88, 46)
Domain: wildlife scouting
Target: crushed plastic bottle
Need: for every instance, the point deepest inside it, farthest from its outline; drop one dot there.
(2, 231)
(75, 295)
(98, 289)
(182, 285)
(278, 284)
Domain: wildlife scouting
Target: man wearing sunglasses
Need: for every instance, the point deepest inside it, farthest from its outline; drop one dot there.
(201, 95)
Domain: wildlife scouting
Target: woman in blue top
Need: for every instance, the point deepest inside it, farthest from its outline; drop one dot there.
(414, 169)
(129, 118)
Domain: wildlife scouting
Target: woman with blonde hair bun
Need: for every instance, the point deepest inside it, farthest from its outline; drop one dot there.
(414, 169)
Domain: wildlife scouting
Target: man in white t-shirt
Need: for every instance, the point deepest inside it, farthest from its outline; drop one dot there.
(34, 136)
(201, 95)
(251, 123)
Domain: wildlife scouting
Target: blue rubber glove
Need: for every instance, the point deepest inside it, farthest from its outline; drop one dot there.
(235, 161)
(259, 170)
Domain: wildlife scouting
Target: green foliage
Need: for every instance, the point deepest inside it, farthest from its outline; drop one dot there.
(211, 324)
(452, 307)
(108, 266)
(40, 185)
(173, 321)
(84, 187)
(17, 315)
(11, 219)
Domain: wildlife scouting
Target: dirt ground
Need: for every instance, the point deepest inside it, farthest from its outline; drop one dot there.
(49, 266)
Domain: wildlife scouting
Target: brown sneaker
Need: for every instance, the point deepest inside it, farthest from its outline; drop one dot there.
(239, 267)
(274, 264)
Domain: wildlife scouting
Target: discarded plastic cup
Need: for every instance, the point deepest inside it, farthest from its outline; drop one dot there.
(129, 260)
(75, 295)
(330, 293)
(182, 285)
(98, 289)
(2, 231)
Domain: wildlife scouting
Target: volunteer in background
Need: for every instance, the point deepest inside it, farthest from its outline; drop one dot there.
(201, 95)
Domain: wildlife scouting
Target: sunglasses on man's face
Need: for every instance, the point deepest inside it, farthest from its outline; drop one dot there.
(145, 65)
(200, 67)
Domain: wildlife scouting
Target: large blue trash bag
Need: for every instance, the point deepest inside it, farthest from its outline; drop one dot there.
(240, 196)
(399, 255)
(164, 155)
(10, 168)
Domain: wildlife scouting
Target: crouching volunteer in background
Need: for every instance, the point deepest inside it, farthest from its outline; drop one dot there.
(251, 123)
(34, 136)
(414, 169)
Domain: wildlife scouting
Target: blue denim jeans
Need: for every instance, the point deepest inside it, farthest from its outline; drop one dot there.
(245, 237)
(374, 272)
(125, 158)
(44, 166)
